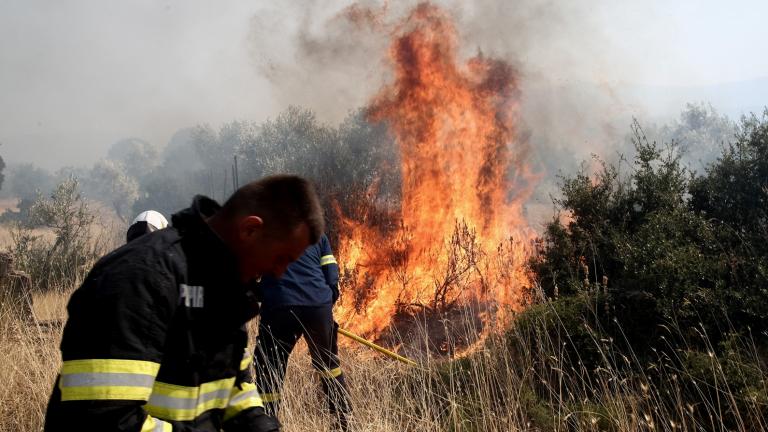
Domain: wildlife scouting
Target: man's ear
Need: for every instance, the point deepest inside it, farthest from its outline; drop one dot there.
(250, 226)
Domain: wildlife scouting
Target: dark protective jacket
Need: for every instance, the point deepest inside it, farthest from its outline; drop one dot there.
(138, 229)
(156, 341)
(312, 280)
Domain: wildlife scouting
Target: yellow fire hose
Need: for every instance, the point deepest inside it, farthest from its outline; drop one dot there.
(382, 350)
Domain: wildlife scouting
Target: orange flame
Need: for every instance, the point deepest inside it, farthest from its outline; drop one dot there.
(464, 183)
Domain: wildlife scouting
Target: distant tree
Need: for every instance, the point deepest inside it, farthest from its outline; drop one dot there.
(699, 134)
(197, 160)
(735, 187)
(216, 151)
(25, 180)
(2, 168)
(137, 156)
(167, 193)
(293, 142)
(111, 184)
(355, 166)
(180, 156)
(65, 173)
(368, 155)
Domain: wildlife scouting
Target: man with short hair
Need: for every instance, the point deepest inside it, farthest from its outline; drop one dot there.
(156, 335)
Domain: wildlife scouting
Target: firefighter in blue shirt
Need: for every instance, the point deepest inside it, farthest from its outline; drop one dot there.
(300, 303)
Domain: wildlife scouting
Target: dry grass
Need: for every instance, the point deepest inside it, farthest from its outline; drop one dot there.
(510, 382)
(11, 204)
(29, 361)
(51, 306)
(495, 388)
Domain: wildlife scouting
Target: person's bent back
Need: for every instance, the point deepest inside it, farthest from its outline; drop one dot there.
(155, 339)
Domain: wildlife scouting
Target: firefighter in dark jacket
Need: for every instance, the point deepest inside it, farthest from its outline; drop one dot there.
(300, 303)
(156, 339)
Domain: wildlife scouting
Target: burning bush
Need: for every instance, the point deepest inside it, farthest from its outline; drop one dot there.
(464, 182)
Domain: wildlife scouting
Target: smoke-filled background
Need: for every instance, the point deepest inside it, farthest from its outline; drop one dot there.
(420, 123)
(557, 208)
(412, 118)
(75, 78)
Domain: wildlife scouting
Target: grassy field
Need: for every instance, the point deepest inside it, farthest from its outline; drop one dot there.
(515, 381)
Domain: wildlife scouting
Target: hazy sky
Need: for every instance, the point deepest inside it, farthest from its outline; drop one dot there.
(77, 76)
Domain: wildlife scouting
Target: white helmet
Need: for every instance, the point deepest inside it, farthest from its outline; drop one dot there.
(146, 222)
(153, 218)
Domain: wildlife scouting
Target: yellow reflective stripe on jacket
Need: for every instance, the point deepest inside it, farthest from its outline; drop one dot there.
(270, 397)
(107, 379)
(242, 398)
(152, 424)
(327, 259)
(180, 403)
(333, 373)
(246, 361)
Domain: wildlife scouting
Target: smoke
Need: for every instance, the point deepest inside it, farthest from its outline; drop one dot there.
(329, 63)
(78, 77)
(571, 106)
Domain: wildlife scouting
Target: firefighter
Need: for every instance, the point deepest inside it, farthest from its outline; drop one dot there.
(300, 303)
(156, 338)
(145, 222)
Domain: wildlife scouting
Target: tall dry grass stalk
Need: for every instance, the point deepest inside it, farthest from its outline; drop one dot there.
(513, 380)
(29, 362)
(512, 383)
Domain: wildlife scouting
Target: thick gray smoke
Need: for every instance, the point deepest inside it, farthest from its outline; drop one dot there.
(79, 78)
(579, 65)
(338, 59)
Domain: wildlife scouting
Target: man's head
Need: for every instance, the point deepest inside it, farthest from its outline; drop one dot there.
(269, 223)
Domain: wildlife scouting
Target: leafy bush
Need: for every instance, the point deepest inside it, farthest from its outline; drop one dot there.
(691, 243)
(667, 270)
(62, 261)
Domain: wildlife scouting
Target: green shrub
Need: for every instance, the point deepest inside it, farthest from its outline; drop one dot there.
(696, 245)
(63, 261)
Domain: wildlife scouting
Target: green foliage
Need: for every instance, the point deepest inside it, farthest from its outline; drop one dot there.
(700, 133)
(638, 253)
(63, 261)
(733, 196)
(112, 184)
(179, 176)
(26, 180)
(137, 156)
(692, 243)
(352, 165)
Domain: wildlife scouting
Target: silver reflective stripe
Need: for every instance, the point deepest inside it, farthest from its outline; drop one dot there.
(218, 394)
(169, 402)
(161, 401)
(243, 396)
(107, 379)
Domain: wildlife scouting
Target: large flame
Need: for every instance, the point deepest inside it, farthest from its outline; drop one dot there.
(462, 235)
